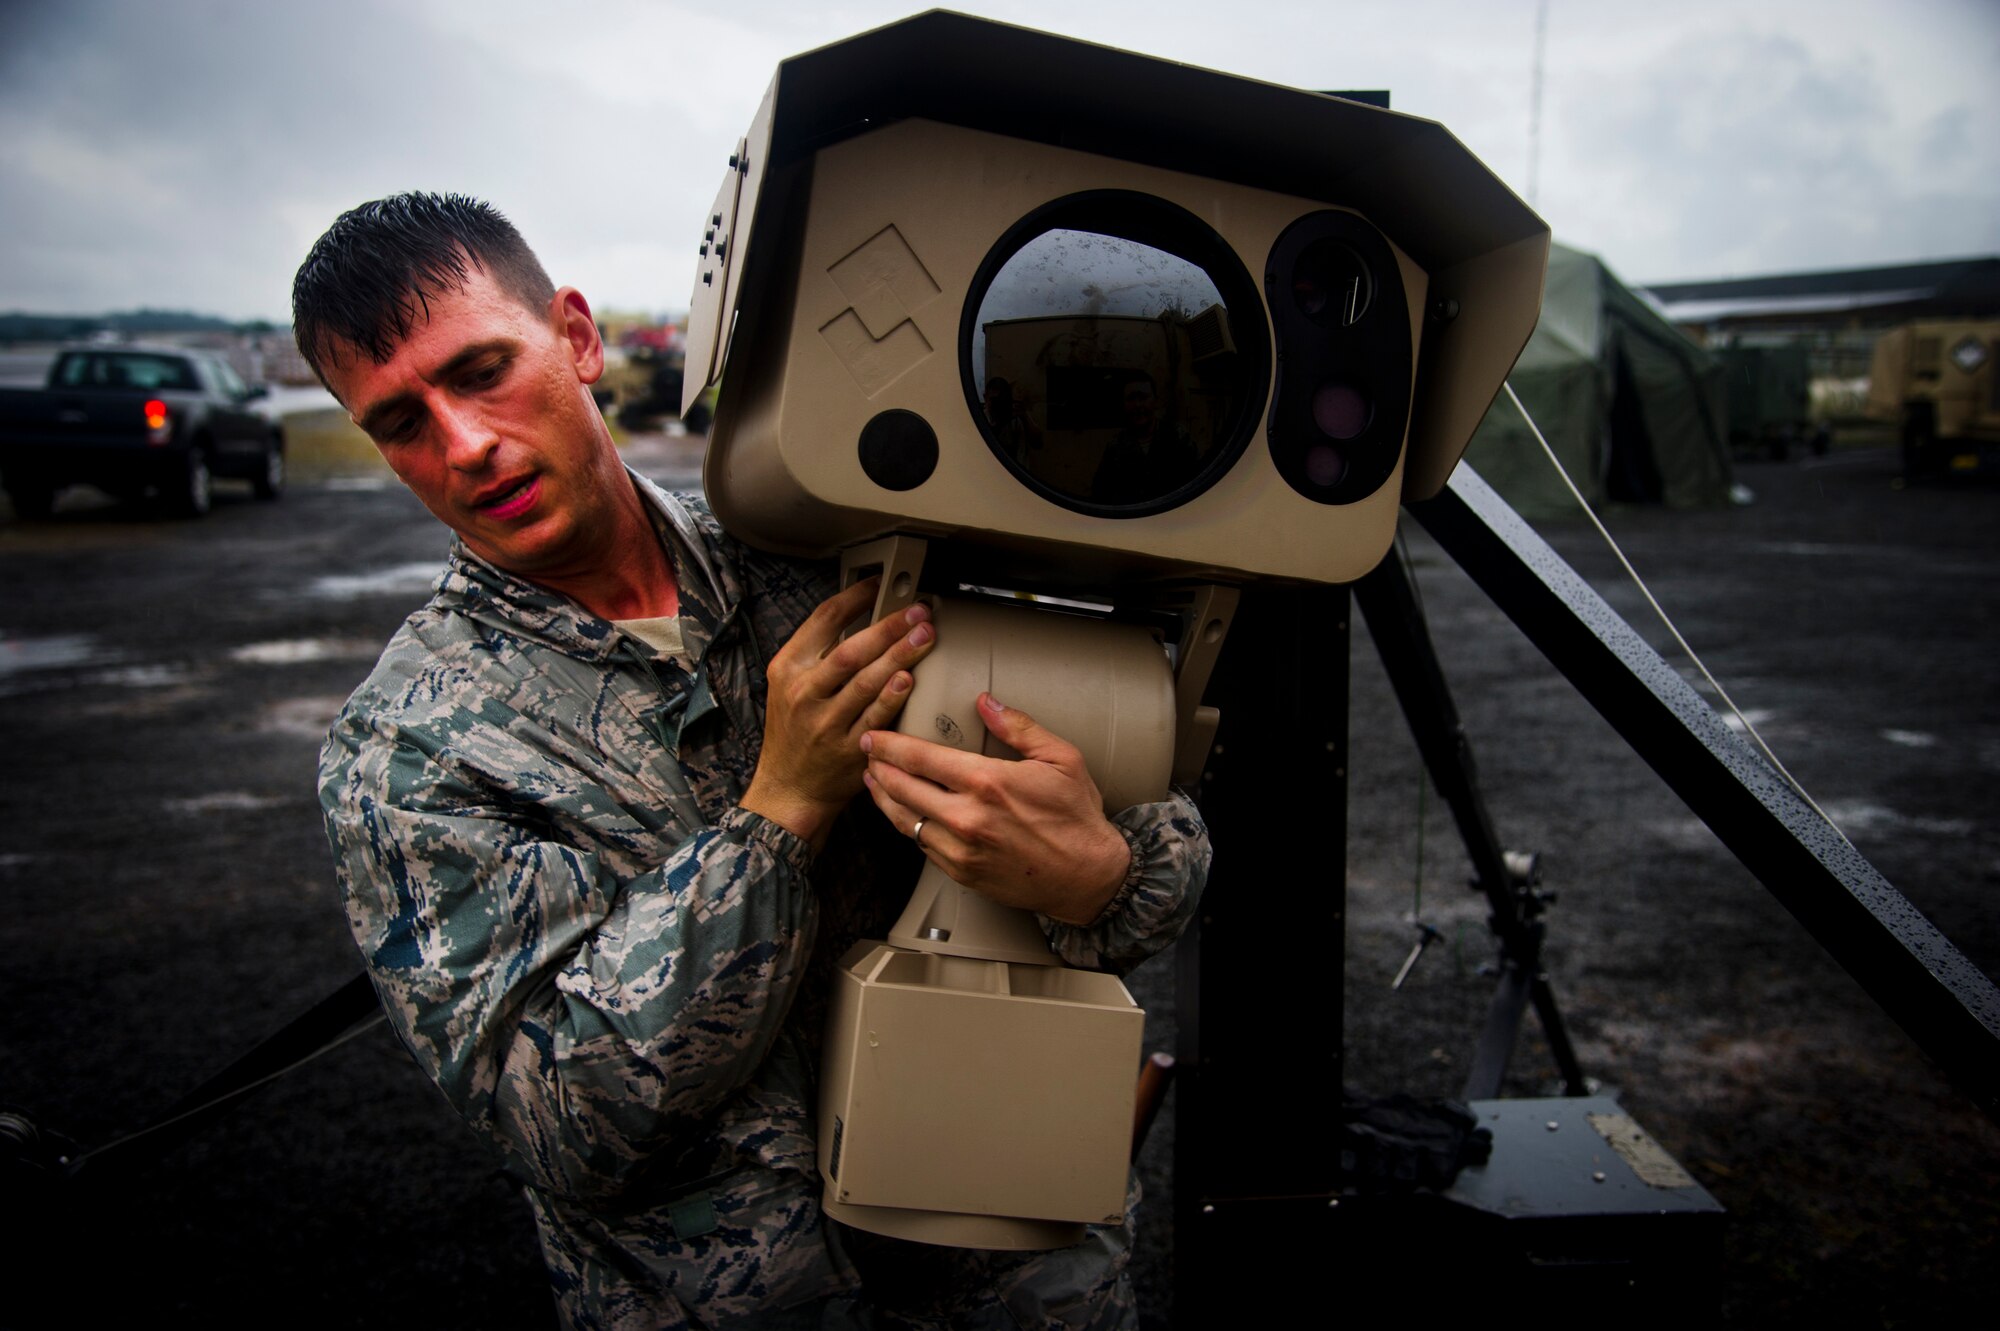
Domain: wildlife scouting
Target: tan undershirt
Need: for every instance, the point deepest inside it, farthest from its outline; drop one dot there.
(663, 634)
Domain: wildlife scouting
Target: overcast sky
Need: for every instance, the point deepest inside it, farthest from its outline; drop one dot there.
(185, 153)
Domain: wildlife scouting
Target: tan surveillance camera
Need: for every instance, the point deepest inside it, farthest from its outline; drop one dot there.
(1093, 313)
(1069, 343)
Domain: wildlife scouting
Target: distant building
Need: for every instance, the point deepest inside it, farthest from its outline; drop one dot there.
(1835, 314)
(279, 360)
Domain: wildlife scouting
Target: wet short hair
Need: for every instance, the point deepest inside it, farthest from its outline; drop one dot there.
(367, 280)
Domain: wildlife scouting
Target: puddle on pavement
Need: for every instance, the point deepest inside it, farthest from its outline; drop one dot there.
(413, 579)
(50, 653)
(1859, 816)
(1756, 716)
(1853, 818)
(1910, 739)
(304, 651)
(359, 484)
(53, 656)
(141, 676)
(222, 801)
(1811, 548)
(306, 718)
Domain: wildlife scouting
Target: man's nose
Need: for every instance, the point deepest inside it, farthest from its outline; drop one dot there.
(468, 440)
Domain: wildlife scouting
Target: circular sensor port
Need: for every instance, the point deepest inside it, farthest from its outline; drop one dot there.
(1325, 465)
(1339, 410)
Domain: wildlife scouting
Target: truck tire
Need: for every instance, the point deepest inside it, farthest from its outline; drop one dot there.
(1919, 439)
(33, 500)
(269, 482)
(193, 490)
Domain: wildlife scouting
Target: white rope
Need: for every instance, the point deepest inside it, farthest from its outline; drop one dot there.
(361, 1028)
(1646, 592)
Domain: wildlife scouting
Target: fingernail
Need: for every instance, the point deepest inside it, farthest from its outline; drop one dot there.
(867, 743)
(995, 704)
(900, 684)
(920, 635)
(868, 779)
(917, 613)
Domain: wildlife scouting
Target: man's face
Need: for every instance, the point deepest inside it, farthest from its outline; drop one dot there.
(484, 412)
(1138, 404)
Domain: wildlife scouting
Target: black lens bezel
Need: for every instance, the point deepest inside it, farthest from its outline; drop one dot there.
(1144, 219)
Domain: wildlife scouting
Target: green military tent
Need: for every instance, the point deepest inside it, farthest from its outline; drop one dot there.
(1633, 408)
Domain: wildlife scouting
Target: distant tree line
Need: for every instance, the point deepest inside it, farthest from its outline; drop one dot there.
(17, 326)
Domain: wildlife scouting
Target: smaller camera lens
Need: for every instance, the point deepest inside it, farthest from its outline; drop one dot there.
(1306, 289)
(1331, 283)
(1339, 410)
(1325, 465)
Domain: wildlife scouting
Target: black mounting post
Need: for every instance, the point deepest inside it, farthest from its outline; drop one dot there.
(1256, 1150)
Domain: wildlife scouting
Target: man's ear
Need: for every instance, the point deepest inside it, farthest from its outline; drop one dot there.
(571, 313)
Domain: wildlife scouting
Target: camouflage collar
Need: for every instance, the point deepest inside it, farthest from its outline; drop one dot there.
(488, 594)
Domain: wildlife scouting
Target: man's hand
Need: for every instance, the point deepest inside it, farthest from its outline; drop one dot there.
(1031, 833)
(824, 695)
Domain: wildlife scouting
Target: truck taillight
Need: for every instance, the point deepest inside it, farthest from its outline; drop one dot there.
(159, 429)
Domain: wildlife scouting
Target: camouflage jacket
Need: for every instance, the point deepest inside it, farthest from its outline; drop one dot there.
(613, 972)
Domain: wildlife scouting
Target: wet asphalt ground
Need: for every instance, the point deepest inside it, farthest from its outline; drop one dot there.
(163, 689)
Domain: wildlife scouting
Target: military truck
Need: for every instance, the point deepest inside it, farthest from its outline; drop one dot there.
(1937, 381)
(1770, 401)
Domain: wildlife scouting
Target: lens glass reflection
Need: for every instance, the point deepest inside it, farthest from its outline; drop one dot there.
(1108, 368)
(1331, 284)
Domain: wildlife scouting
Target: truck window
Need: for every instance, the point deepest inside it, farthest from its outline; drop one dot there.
(135, 370)
(227, 379)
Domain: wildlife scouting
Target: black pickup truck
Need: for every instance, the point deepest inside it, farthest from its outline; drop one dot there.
(136, 420)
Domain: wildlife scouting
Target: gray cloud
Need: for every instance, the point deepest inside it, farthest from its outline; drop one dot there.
(187, 153)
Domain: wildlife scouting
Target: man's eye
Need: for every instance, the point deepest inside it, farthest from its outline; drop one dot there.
(398, 431)
(485, 376)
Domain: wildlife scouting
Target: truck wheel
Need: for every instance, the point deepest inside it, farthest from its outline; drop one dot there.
(33, 500)
(269, 482)
(1919, 439)
(195, 492)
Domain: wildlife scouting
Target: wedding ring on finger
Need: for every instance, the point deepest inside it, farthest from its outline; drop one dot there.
(917, 833)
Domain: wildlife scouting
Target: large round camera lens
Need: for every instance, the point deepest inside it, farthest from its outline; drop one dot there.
(1114, 353)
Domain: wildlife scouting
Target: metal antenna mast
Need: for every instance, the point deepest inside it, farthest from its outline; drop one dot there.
(1535, 103)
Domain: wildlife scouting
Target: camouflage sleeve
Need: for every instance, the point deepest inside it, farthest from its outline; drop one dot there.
(1170, 855)
(580, 1021)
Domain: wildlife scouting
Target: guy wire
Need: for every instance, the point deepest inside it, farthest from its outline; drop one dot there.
(1658, 610)
(361, 1027)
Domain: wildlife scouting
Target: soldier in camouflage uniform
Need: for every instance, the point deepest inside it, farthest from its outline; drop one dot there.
(601, 876)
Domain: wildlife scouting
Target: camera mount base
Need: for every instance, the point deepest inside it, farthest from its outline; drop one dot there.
(976, 1103)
